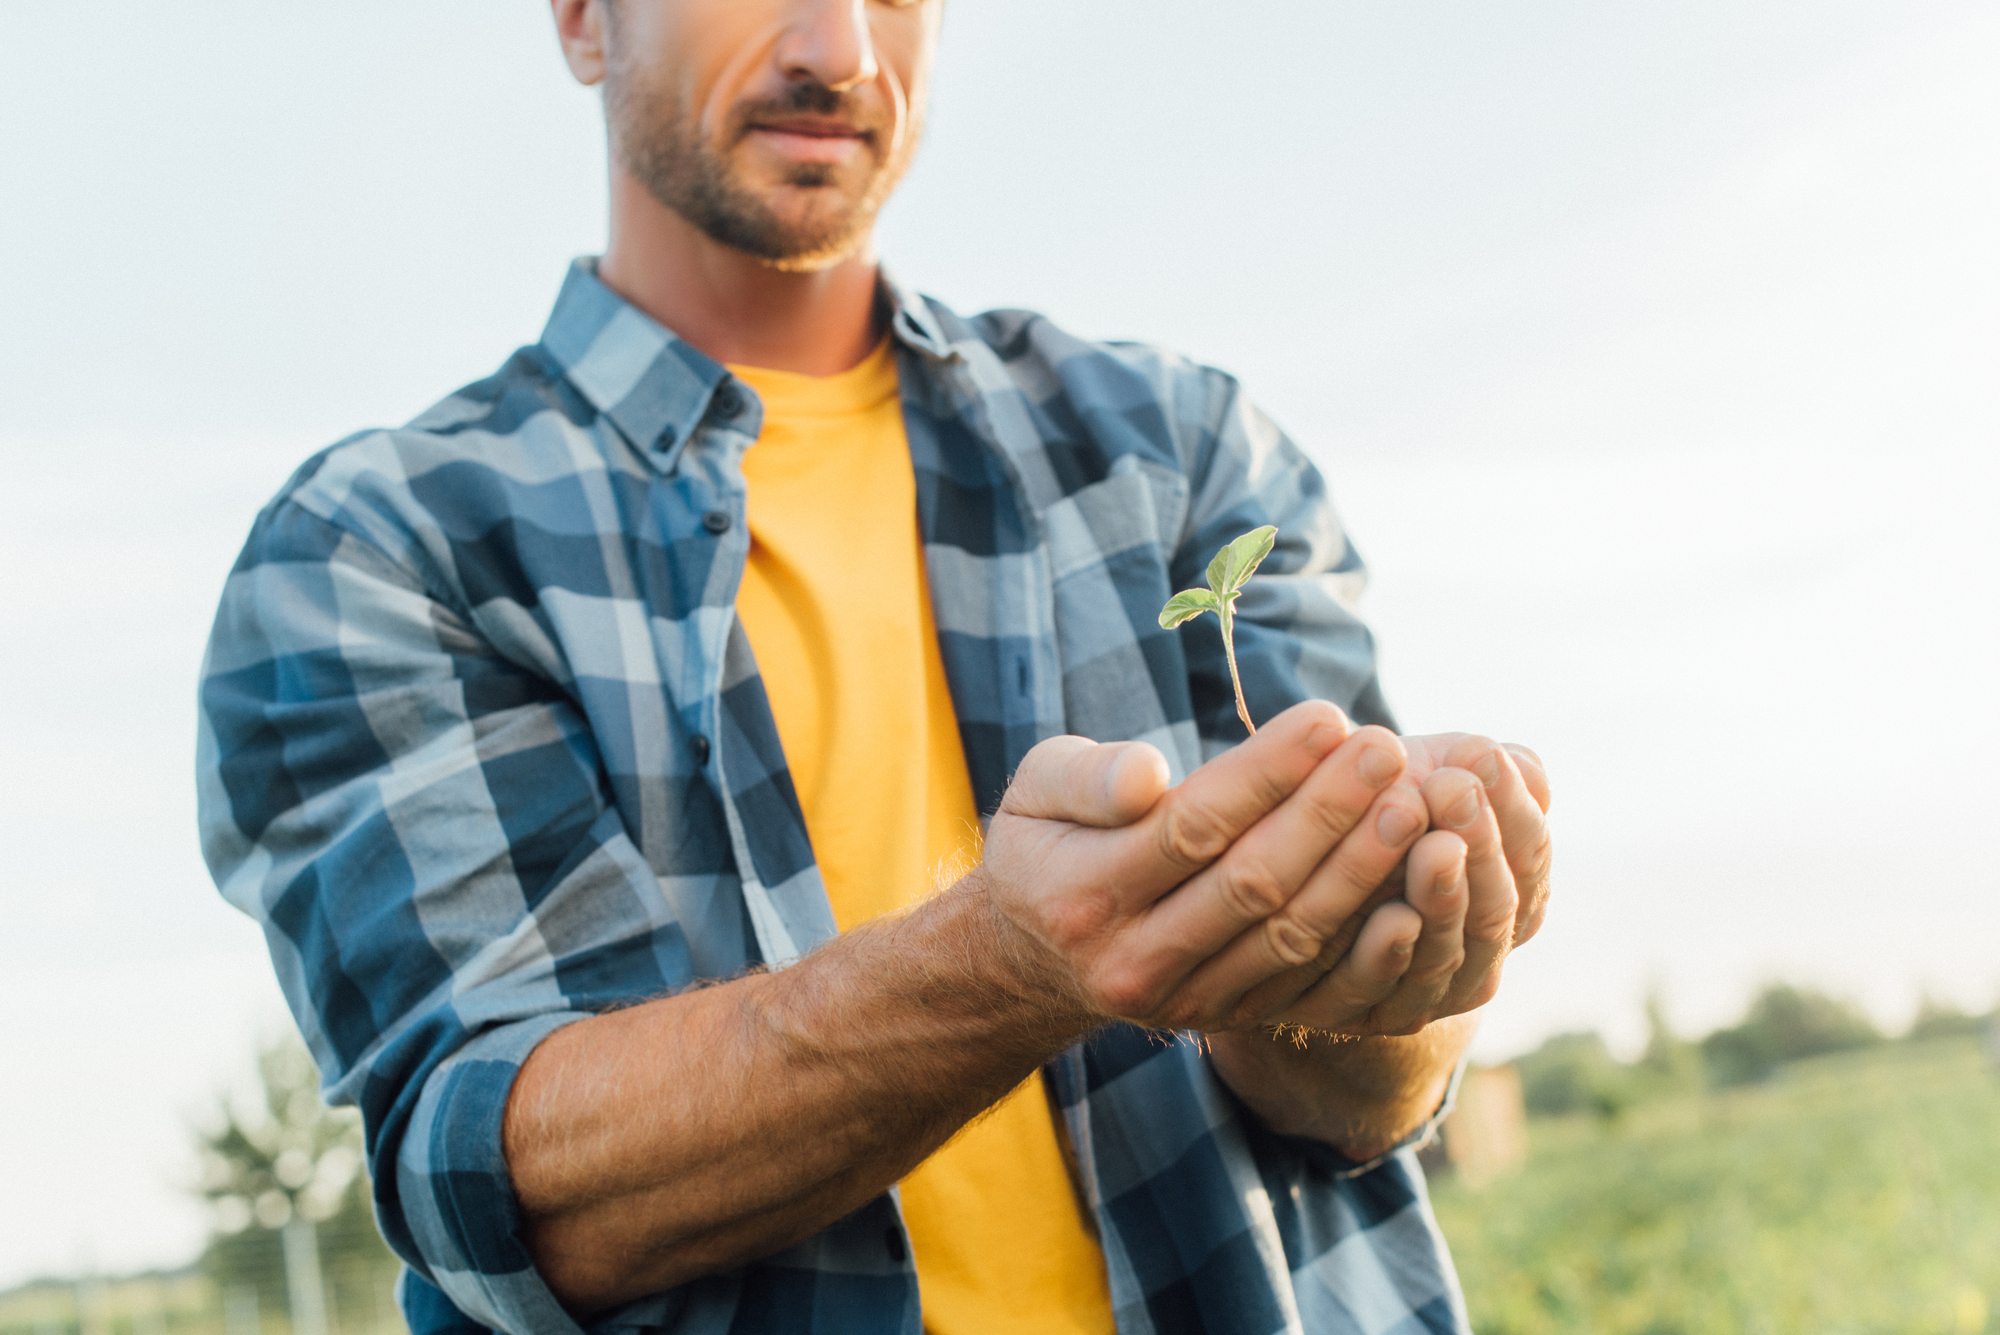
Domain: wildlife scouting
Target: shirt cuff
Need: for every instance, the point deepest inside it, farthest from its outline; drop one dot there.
(457, 1196)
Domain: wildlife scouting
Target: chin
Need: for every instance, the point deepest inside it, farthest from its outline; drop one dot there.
(818, 234)
(817, 259)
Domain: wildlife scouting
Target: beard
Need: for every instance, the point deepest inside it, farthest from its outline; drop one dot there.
(659, 142)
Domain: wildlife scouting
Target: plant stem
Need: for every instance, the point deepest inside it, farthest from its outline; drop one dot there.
(1229, 651)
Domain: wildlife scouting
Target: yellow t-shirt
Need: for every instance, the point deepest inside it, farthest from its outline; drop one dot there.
(837, 608)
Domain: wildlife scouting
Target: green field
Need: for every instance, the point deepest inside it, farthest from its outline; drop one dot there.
(1850, 1193)
(1854, 1192)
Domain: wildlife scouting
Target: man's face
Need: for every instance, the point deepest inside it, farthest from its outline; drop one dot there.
(777, 127)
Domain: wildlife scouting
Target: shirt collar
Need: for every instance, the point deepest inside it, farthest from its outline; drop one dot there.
(655, 387)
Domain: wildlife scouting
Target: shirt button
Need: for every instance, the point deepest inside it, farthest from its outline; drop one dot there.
(698, 745)
(727, 401)
(716, 522)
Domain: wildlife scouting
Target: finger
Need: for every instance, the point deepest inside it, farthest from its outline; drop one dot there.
(1532, 876)
(1218, 802)
(1437, 891)
(1533, 910)
(1533, 771)
(1342, 1002)
(1349, 881)
(1265, 869)
(1524, 824)
(1522, 813)
(1280, 990)
(1458, 803)
(1077, 780)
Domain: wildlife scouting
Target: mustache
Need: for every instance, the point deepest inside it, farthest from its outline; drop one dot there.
(805, 97)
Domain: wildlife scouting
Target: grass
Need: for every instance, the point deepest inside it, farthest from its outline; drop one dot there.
(1855, 1193)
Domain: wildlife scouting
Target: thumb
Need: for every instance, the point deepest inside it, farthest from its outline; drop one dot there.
(1087, 783)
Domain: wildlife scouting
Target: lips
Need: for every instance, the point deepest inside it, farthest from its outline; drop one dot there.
(820, 139)
(812, 127)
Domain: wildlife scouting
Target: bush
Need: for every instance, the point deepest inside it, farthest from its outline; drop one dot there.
(1941, 1019)
(1574, 1073)
(1785, 1023)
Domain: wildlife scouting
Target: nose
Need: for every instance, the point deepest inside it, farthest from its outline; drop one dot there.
(829, 42)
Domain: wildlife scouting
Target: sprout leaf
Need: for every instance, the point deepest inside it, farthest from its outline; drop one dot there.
(1227, 574)
(1186, 606)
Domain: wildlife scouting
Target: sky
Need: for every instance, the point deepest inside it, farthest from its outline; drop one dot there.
(1648, 351)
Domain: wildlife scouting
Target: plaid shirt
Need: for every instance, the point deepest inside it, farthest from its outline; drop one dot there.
(484, 750)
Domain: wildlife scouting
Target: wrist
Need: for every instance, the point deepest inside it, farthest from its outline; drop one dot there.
(1017, 971)
(1362, 1096)
(1270, 1071)
(952, 973)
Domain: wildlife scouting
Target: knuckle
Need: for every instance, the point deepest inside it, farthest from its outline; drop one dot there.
(1292, 941)
(1352, 999)
(1493, 922)
(1472, 747)
(1356, 881)
(1530, 919)
(1486, 991)
(1536, 900)
(1191, 838)
(1431, 976)
(1540, 865)
(1332, 812)
(1251, 890)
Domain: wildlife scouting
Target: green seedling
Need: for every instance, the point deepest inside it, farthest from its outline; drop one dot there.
(1227, 574)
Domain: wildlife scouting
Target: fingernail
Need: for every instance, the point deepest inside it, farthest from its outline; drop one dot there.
(1395, 825)
(1402, 948)
(1378, 765)
(1464, 811)
(1488, 769)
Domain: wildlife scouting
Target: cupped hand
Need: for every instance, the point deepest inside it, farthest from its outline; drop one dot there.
(1167, 908)
(1516, 784)
(1440, 926)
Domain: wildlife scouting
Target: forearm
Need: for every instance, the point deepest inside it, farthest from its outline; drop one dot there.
(699, 1132)
(1359, 1095)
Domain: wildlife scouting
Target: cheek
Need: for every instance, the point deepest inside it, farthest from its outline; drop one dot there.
(905, 48)
(708, 57)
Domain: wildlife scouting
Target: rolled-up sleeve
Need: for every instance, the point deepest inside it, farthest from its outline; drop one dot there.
(421, 826)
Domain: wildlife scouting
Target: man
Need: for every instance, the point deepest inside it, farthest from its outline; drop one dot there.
(590, 746)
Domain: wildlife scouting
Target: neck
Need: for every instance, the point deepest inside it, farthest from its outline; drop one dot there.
(732, 305)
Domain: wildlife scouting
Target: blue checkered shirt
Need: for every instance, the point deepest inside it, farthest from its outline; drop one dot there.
(485, 751)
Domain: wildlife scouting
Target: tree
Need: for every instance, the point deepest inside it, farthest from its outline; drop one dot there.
(1785, 1023)
(1669, 1062)
(283, 1174)
(1572, 1073)
(1941, 1019)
